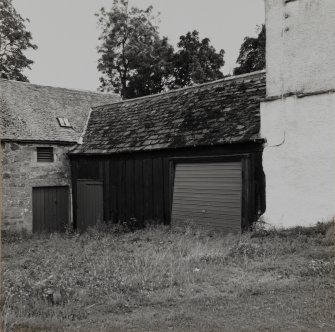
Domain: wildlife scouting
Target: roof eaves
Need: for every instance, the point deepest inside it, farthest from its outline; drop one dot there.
(77, 150)
(38, 141)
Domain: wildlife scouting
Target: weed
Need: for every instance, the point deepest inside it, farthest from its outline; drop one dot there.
(112, 273)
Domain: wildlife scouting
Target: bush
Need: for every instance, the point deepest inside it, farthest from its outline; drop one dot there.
(321, 228)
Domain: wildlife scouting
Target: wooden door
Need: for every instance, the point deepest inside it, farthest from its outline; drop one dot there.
(50, 209)
(209, 195)
(89, 203)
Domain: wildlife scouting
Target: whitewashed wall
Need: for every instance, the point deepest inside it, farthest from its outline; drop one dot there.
(299, 156)
(299, 159)
(300, 46)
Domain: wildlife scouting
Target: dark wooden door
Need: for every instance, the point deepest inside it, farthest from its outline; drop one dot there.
(209, 195)
(50, 209)
(89, 203)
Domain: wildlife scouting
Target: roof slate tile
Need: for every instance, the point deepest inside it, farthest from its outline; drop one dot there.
(29, 111)
(214, 113)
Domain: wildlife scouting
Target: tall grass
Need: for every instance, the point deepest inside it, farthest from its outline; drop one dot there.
(72, 277)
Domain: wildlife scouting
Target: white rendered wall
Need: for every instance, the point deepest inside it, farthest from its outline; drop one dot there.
(300, 46)
(299, 159)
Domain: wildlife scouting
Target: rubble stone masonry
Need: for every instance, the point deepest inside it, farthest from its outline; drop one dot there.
(22, 172)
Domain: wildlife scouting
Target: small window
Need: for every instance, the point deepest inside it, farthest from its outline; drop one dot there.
(45, 154)
(64, 122)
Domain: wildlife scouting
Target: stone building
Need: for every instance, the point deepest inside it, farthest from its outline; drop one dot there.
(298, 115)
(39, 124)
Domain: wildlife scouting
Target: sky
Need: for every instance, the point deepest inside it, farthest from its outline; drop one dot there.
(66, 33)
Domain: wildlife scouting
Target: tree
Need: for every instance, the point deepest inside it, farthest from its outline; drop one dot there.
(134, 60)
(196, 61)
(252, 53)
(14, 40)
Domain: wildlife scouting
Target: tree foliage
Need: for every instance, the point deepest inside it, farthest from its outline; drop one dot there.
(196, 61)
(14, 40)
(252, 53)
(134, 60)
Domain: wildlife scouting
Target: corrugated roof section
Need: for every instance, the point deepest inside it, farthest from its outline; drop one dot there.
(210, 114)
(29, 111)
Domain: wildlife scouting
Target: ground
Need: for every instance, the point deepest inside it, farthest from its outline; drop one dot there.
(166, 279)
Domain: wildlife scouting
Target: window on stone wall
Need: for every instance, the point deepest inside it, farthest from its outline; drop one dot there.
(45, 154)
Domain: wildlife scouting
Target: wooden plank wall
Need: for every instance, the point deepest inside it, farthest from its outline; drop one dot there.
(90, 203)
(138, 185)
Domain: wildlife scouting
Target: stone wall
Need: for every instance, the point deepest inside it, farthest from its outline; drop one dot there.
(22, 172)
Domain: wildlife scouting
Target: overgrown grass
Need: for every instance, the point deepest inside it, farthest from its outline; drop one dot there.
(162, 278)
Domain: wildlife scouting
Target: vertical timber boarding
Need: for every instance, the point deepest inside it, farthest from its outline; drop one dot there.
(134, 182)
(89, 203)
(50, 209)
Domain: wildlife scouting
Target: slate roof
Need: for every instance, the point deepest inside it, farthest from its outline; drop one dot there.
(29, 112)
(215, 113)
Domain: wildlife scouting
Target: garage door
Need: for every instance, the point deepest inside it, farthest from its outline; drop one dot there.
(209, 195)
(50, 209)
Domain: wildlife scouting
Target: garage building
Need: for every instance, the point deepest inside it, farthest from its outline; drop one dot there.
(192, 154)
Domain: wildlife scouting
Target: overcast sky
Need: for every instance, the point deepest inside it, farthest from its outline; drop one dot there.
(66, 33)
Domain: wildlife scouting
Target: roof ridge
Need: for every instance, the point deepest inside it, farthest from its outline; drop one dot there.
(196, 86)
(81, 91)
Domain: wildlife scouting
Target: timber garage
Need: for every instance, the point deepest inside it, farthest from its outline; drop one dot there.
(187, 155)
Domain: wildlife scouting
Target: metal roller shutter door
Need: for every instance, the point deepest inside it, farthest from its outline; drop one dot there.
(208, 194)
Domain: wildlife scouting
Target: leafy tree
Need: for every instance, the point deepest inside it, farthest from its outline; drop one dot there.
(14, 39)
(152, 76)
(134, 60)
(196, 61)
(252, 53)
